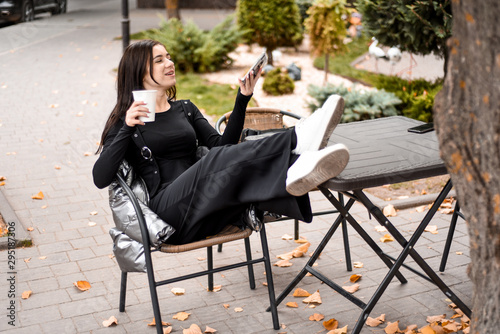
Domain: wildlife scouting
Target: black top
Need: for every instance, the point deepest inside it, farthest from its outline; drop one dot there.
(171, 137)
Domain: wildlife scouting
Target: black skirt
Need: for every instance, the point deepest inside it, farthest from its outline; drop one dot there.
(217, 189)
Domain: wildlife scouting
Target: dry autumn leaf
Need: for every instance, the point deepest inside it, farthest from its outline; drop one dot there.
(181, 316)
(92, 224)
(380, 228)
(432, 229)
(178, 291)
(421, 208)
(209, 330)
(292, 304)
(302, 240)
(111, 321)
(357, 264)
(316, 317)
(427, 330)
(410, 329)
(315, 298)
(238, 309)
(82, 285)
(389, 211)
(26, 294)
(387, 238)
(30, 229)
(354, 278)
(193, 329)
(38, 196)
(351, 289)
(153, 323)
(226, 306)
(331, 324)
(283, 263)
(167, 330)
(342, 330)
(374, 322)
(93, 213)
(435, 318)
(392, 327)
(301, 293)
(286, 237)
(217, 288)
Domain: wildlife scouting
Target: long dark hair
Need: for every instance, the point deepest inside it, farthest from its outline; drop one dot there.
(131, 72)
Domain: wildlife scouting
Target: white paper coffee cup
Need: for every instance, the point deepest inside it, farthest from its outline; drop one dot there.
(148, 97)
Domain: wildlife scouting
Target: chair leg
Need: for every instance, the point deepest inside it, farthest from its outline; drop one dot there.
(219, 248)
(449, 238)
(345, 237)
(154, 294)
(296, 229)
(251, 276)
(210, 266)
(123, 291)
(269, 277)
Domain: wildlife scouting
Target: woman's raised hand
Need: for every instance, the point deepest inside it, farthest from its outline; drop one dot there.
(247, 87)
(135, 111)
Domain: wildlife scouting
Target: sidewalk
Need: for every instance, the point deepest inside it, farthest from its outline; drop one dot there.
(57, 86)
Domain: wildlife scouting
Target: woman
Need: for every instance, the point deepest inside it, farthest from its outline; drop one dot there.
(199, 198)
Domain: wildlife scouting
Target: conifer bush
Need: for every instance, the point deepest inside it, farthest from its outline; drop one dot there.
(278, 82)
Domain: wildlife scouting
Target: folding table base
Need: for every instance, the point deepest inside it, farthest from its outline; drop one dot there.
(394, 265)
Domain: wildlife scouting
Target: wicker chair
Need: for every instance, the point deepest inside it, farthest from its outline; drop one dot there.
(228, 234)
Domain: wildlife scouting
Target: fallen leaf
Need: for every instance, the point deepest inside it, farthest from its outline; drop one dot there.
(410, 329)
(87, 154)
(38, 196)
(44, 207)
(26, 294)
(421, 208)
(314, 298)
(82, 285)
(342, 330)
(427, 330)
(301, 293)
(42, 257)
(354, 278)
(387, 238)
(392, 327)
(316, 317)
(286, 256)
(238, 309)
(201, 258)
(380, 228)
(432, 229)
(153, 323)
(2, 183)
(352, 288)
(389, 211)
(193, 329)
(286, 237)
(93, 213)
(283, 263)
(27, 260)
(292, 304)
(91, 224)
(111, 321)
(374, 322)
(30, 229)
(226, 306)
(452, 327)
(435, 318)
(331, 324)
(167, 330)
(302, 240)
(181, 316)
(357, 264)
(2, 178)
(217, 288)
(459, 253)
(178, 291)
(209, 330)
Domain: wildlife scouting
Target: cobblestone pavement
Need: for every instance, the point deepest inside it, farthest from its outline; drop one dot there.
(57, 86)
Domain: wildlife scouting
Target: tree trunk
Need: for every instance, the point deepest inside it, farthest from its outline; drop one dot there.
(269, 53)
(467, 119)
(325, 80)
(172, 9)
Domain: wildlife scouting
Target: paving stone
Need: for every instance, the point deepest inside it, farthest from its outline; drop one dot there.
(34, 316)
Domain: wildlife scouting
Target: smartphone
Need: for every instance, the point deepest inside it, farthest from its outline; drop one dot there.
(259, 63)
(422, 128)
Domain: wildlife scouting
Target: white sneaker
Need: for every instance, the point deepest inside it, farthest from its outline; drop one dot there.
(313, 168)
(314, 131)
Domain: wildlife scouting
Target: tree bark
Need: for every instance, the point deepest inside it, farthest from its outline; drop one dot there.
(172, 9)
(327, 58)
(467, 119)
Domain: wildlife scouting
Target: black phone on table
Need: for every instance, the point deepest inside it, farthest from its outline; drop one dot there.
(422, 128)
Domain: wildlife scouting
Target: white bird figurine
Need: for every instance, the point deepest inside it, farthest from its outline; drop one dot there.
(394, 55)
(376, 52)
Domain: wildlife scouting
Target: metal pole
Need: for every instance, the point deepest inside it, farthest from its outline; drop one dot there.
(125, 25)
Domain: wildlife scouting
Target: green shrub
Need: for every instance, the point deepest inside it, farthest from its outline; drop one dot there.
(194, 50)
(278, 82)
(359, 104)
